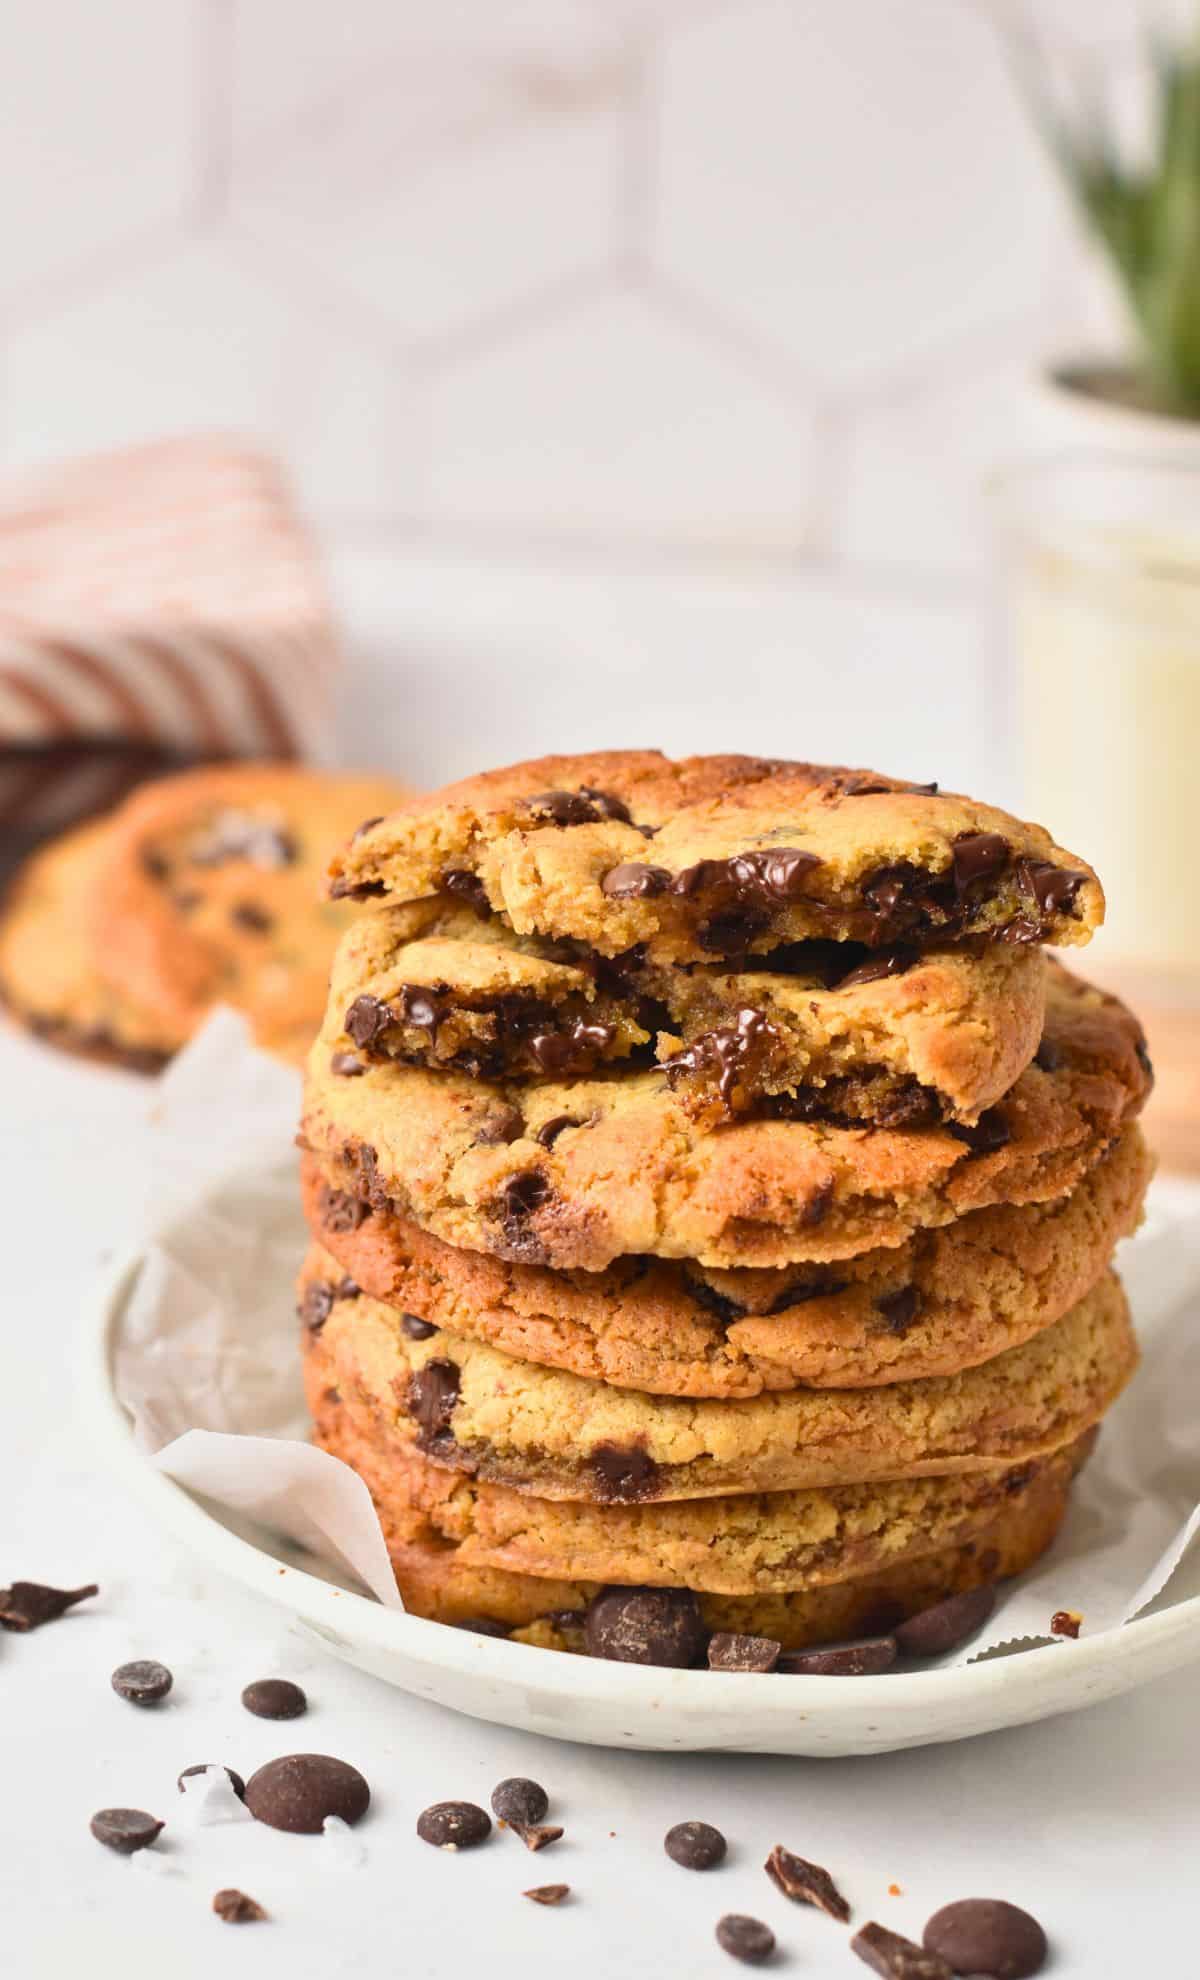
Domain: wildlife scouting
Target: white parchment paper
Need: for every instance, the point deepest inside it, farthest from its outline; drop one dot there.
(208, 1367)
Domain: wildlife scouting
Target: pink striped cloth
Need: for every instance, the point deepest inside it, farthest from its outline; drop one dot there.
(157, 605)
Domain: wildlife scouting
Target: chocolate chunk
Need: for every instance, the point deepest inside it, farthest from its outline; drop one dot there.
(366, 1020)
(987, 1936)
(454, 1825)
(420, 1006)
(817, 1208)
(316, 1306)
(884, 891)
(695, 1845)
(646, 1626)
(347, 1289)
(897, 1958)
(416, 1328)
(339, 1211)
(634, 881)
(893, 962)
(521, 1195)
(977, 856)
(947, 1624)
(345, 1065)
(623, 1476)
(989, 1133)
(550, 1130)
(484, 1626)
(432, 1395)
(806, 1883)
(573, 1052)
(236, 1908)
(823, 1287)
(500, 1128)
(368, 825)
(29, 1604)
(582, 807)
(357, 890)
(899, 1309)
(864, 1659)
(300, 1792)
(125, 1829)
(519, 1800)
(729, 1651)
(775, 877)
(1052, 888)
(143, 1682)
(235, 1780)
(1065, 1622)
(731, 1052)
(731, 934)
(274, 1698)
(1048, 1056)
(248, 914)
(747, 1939)
(536, 1835)
(548, 1893)
(726, 1310)
(467, 887)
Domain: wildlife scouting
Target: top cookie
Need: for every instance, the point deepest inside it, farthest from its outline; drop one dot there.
(723, 856)
(208, 893)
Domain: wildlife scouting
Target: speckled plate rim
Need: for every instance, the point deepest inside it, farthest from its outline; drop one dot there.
(597, 1703)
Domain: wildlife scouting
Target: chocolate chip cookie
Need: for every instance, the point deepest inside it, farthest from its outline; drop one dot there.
(945, 1300)
(577, 1173)
(473, 1408)
(723, 857)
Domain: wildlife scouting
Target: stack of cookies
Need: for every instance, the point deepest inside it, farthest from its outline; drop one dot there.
(713, 1188)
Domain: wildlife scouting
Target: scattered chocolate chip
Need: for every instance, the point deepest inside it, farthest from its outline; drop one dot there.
(467, 887)
(346, 1065)
(366, 1020)
(1048, 1056)
(143, 1682)
(236, 1908)
(275, 1698)
(235, 1780)
(646, 1626)
(946, 1624)
(519, 1800)
(865, 1659)
(747, 1939)
(125, 1829)
(899, 1309)
(248, 914)
(501, 1128)
(454, 1825)
(695, 1845)
(977, 856)
(897, 1958)
(634, 881)
(986, 1936)
(340, 1212)
(989, 1133)
(894, 962)
(623, 1476)
(432, 1394)
(806, 1883)
(536, 1835)
(29, 1604)
(549, 1131)
(548, 1893)
(316, 1306)
(300, 1792)
(368, 825)
(416, 1328)
(729, 1651)
(1052, 888)
(1065, 1622)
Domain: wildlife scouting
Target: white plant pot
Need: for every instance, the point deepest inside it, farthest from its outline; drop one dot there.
(1066, 416)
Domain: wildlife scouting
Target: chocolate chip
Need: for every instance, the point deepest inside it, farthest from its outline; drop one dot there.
(29, 1604)
(776, 876)
(143, 1682)
(989, 1133)
(466, 887)
(300, 1792)
(747, 1939)
(729, 1651)
(977, 856)
(520, 1196)
(316, 1306)
(695, 1845)
(573, 1052)
(274, 1698)
(484, 1626)
(357, 890)
(987, 1936)
(248, 914)
(947, 1624)
(730, 1051)
(432, 1395)
(368, 825)
(823, 1287)
(536, 1835)
(125, 1829)
(454, 1825)
(548, 1893)
(646, 1626)
(899, 1309)
(865, 1659)
(806, 1883)
(339, 1211)
(345, 1065)
(817, 1207)
(1048, 1056)
(623, 1476)
(634, 881)
(235, 1780)
(519, 1800)
(1065, 1622)
(416, 1328)
(500, 1128)
(897, 1958)
(366, 1020)
(236, 1908)
(420, 1007)
(549, 1131)
(1052, 888)
(893, 963)
(726, 1310)
(585, 806)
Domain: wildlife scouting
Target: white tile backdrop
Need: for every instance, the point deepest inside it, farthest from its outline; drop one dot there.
(640, 359)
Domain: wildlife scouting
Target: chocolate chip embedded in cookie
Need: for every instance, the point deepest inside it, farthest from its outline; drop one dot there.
(471, 1408)
(724, 856)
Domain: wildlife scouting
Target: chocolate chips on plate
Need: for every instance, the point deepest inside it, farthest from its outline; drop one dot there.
(29, 1604)
(695, 1845)
(144, 1682)
(454, 1825)
(274, 1698)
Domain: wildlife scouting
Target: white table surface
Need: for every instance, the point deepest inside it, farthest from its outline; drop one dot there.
(1092, 1821)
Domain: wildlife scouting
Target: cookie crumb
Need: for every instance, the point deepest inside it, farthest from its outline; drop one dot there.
(1065, 1622)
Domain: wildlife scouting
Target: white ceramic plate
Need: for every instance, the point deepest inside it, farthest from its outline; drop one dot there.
(604, 1704)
